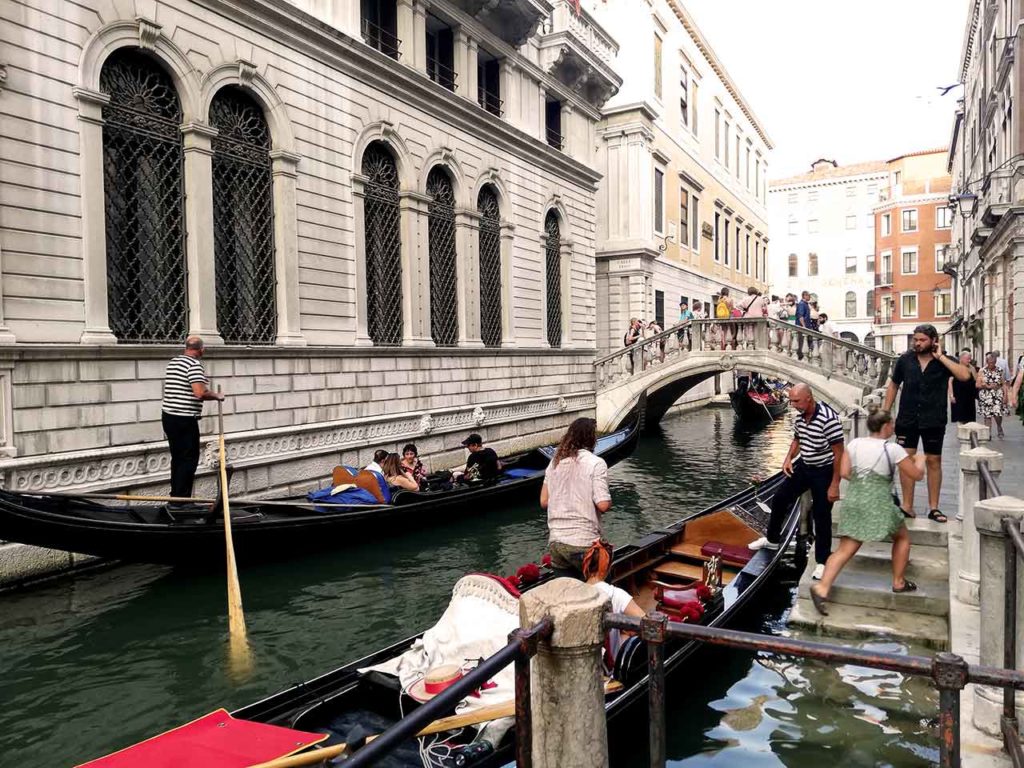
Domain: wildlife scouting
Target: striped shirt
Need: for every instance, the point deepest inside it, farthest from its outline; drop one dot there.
(179, 400)
(817, 436)
(575, 486)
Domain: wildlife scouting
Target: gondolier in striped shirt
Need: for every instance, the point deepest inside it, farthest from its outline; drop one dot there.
(185, 389)
(812, 464)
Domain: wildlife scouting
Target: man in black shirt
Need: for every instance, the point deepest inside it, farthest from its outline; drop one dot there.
(923, 373)
(484, 459)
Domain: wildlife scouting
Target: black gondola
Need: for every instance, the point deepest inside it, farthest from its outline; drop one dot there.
(262, 529)
(756, 403)
(338, 700)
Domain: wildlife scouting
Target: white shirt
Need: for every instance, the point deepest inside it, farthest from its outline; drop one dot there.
(373, 466)
(575, 487)
(868, 454)
(829, 329)
(620, 598)
(1004, 366)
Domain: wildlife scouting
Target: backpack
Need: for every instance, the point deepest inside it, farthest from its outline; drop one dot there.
(721, 309)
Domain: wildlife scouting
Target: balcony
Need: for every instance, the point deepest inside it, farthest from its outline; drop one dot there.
(381, 39)
(443, 75)
(554, 138)
(883, 279)
(997, 195)
(489, 101)
(579, 53)
(514, 21)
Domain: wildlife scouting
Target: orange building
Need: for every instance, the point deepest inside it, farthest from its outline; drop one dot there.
(913, 226)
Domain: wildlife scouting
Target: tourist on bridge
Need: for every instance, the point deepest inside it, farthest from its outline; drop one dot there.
(991, 383)
(685, 313)
(963, 395)
(869, 511)
(634, 333)
(185, 389)
(575, 494)
(922, 373)
(812, 464)
(803, 319)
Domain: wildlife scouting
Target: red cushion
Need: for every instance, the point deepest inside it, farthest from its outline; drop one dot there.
(676, 598)
(729, 552)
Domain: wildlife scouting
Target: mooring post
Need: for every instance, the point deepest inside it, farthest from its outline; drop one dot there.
(963, 435)
(567, 696)
(949, 672)
(971, 492)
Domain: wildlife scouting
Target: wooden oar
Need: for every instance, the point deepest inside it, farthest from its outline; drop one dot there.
(240, 655)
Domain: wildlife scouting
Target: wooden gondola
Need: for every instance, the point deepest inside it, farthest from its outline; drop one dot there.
(674, 556)
(755, 406)
(263, 529)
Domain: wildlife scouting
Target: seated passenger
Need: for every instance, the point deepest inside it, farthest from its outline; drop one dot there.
(378, 460)
(397, 478)
(483, 463)
(596, 563)
(411, 463)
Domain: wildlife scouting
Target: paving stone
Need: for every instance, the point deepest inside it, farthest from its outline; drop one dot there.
(854, 621)
(923, 532)
(867, 583)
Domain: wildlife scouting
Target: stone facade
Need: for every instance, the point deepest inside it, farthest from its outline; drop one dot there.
(80, 410)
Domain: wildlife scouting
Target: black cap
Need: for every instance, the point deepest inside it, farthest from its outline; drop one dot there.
(473, 439)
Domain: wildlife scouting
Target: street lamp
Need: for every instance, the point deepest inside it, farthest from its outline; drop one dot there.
(967, 202)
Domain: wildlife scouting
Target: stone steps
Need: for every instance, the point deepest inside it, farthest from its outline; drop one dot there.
(867, 583)
(857, 622)
(923, 532)
(924, 561)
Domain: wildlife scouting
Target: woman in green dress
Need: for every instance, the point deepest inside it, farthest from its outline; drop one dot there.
(869, 512)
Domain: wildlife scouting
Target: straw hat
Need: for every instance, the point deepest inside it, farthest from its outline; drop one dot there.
(435, 681)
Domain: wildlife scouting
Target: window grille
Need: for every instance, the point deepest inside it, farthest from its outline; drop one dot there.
(243, 220)
(144, 200)
(553, 257)
(490, 267)
(444, 320)
(383, 247)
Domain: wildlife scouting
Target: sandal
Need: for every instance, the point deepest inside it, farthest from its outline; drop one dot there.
(908, 515)
(819, 602)
(908, 586)
(937, 516)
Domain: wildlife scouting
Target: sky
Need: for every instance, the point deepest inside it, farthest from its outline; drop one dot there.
(845, 81)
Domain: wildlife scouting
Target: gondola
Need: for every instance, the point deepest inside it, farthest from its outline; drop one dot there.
(262, 529)
(756, 404)
(338, 701)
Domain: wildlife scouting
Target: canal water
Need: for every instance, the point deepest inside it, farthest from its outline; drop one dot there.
(93, 663)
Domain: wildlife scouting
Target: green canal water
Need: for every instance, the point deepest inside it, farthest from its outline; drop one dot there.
(93, 663)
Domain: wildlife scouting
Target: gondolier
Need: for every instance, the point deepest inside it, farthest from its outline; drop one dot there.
(812, 463)
(185, 389)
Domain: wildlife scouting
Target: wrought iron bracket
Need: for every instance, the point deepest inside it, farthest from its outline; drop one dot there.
(949, 671)
(653, 627)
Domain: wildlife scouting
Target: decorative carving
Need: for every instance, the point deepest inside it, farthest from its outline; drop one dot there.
(479, 417)
(562, 404)
(149, 33)
(246, 72)
(727, 363)
(426, 423)
(3, 75)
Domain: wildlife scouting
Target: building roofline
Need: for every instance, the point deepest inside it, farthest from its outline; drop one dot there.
(967, 47)
(712, 59)
(919, 153)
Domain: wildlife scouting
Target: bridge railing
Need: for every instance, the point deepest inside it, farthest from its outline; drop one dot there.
(833, 356)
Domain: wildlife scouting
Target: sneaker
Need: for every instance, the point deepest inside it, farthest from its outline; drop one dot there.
(762, 543)
(819, 571)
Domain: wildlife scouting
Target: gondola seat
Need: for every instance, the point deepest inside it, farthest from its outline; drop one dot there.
(730, 553)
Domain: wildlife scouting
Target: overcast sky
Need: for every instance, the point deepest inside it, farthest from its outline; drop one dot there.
(847, 81)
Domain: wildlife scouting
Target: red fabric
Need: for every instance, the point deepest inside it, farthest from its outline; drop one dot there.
(527, 574)
(216, 740)
(509, 586)
(730, 552)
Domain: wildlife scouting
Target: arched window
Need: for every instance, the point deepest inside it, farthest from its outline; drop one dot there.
(243, 220)
(144, 200)
(869, 304)
(490, 267)
(553, 264)
(851, 304)
(444, 319)
(383, 246)
(792, 265)
(812, 265)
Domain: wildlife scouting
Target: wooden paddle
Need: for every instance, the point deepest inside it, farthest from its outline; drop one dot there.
(239, 655)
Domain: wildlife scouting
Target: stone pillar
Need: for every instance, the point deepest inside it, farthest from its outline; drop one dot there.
(508, 326)
(467, 260)
(199, 244)
(362, 335)
(508, 76)
(461, 64)
(565, 253)
(94, 236)
(406, 32)
(570, 144)
(963, 435)
(419, 31)
(988, 517)
(286, 249)
(415, 270)
(472, 72)
(567, 697)
(967, 577)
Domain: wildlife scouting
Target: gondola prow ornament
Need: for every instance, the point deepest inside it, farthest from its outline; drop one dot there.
(712, 574)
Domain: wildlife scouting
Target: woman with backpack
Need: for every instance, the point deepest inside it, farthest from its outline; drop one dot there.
(724, 310)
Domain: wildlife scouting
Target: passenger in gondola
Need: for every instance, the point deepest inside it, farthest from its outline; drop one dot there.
(397, 478)
(597, 562)
(482, 464)
(575, 494)
(378, 460)
(411, 462)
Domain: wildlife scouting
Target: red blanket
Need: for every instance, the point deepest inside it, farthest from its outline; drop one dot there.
(216, 740)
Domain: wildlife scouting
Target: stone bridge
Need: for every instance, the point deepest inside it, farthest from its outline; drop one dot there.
(665, 366)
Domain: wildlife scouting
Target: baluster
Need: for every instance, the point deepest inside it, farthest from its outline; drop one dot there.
(827, 355)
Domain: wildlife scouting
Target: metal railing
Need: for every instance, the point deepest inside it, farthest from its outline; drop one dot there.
(489, 101)
(883, 278)
(522, 647)
(554, 137)
(381, 39)
(442, 74)
(949, 672)
(1013, 551)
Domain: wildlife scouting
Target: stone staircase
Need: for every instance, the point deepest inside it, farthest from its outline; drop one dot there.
(862, 603)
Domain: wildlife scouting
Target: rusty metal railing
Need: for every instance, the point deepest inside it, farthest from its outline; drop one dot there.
(521, 648)
(949, 672)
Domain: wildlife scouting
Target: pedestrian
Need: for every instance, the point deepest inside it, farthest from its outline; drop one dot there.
(803, 319)
(576, 496)
(755, 307)
(963, 395)
(1003, 366)
(921, 375)
(685, 315)
(869, 511)
(991, 385)
(775, 312)
(827, 327)
(812, 463)
(633, 334)
(725, 309)
(185, 389)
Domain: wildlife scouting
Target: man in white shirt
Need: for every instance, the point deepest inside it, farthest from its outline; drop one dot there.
(827, 327)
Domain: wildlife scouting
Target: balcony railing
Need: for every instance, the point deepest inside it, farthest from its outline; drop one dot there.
(883, 278)
(381, 39)
(555, 138)
(442, 74)
(490, 102)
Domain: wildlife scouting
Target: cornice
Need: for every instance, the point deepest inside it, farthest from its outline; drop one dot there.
(282, 21)
(783, 184)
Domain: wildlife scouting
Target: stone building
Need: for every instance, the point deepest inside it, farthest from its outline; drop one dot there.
(379, 215)
(913, 224)
(824, 240)
(682, 208)
(985, 159)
